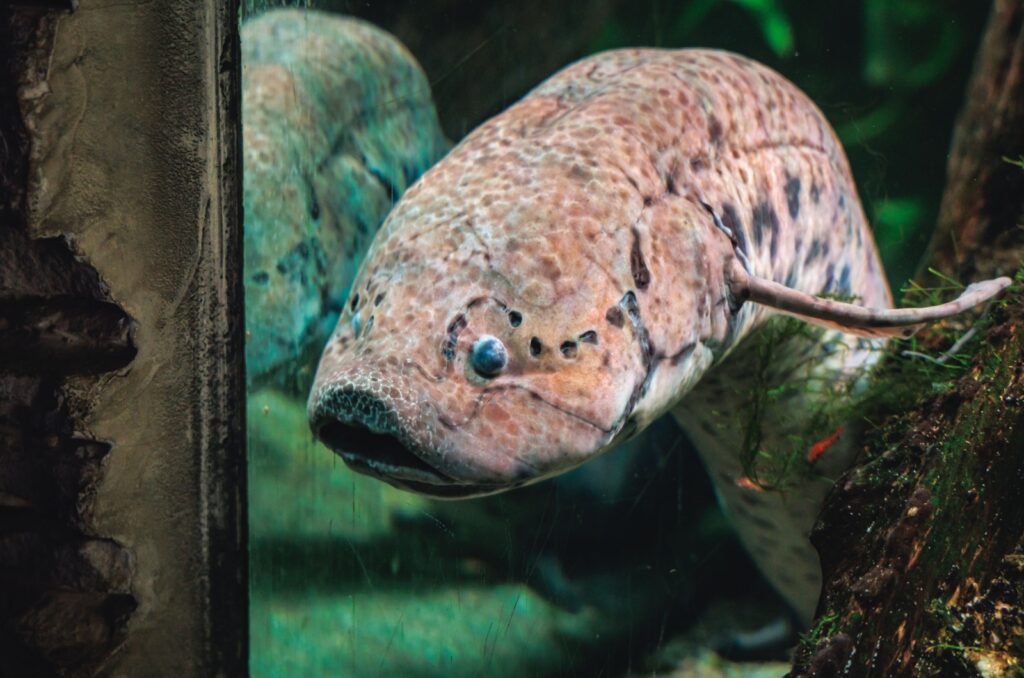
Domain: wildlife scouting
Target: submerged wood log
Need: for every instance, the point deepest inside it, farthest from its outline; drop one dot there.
(922, 545)
(979, 230)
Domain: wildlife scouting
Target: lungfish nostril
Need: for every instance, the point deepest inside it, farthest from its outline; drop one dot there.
(488, 356)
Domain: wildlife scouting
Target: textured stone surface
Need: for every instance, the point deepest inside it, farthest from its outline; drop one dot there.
(123, 494)
(65, 594)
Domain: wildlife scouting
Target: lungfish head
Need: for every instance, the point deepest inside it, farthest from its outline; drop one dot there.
(491, 339)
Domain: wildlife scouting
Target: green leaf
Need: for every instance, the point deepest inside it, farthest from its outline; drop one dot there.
(775, 24)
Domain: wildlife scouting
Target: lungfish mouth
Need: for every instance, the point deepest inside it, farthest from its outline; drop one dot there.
(382, 454)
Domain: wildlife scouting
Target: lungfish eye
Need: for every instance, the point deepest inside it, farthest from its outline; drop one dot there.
(488, 356)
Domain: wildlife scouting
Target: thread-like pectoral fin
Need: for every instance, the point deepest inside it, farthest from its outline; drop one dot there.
(854, 319)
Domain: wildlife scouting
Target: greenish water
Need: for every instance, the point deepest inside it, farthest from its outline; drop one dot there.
(639, 574)
(338, 589)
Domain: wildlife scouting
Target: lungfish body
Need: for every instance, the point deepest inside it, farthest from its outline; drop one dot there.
(599, 255)
(337, 121)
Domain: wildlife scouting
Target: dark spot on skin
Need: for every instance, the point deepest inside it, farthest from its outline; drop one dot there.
(261, 278)
(577, 172)
(750, 498)
(793, 196)
(830, 277)
(589, 337)
(409, 173)
(281, 268)
(569, 349)
(764, 218)
(452, 336)
(369, 326)
(735, 509)
(763, 522)
(670, 184)
(614, 316)
(637, 265)
(354, 304)
(515, 318)
(319, 260)
(678, 356)
(606, 359)
(643, 338)
(385, 183)
(815, 193)
(812, 253)
(314, 206)
(648, 201)
(698, 163)
(732, 219)
(714, 130)
(629, 303)
(377, 299)
(844, 280)
(535, 347)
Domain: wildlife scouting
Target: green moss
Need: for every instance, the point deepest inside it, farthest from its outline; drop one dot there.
(926, 365)
(825, 627)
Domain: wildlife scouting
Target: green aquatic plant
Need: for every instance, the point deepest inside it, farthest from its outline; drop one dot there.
(1018, 161)
(927, 364)
(776, 28)
(896, 220)
(825, 627)
(894, 33)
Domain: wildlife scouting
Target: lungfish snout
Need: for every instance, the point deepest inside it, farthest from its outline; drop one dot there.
(385, 424)
(367, 432)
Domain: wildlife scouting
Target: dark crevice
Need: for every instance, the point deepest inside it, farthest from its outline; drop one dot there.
(637, 264)
(451, 338)
(65, 592)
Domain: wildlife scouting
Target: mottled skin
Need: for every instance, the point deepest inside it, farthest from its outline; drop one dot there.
(337, 122)
(588, 229)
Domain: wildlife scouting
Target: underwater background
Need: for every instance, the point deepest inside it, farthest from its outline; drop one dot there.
(626, 567)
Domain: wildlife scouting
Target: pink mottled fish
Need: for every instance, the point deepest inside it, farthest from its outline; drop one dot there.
(604, 252)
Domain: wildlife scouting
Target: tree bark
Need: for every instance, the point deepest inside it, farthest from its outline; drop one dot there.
(979, 228)
(922, 545)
